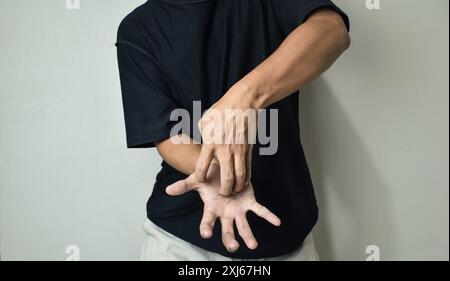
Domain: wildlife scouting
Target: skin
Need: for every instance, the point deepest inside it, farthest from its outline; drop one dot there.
(221, 173)
(228, 210)
(306, 53)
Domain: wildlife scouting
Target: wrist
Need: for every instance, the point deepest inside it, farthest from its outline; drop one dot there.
(245, 94)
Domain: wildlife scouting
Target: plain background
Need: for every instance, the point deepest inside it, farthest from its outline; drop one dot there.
(375, 131)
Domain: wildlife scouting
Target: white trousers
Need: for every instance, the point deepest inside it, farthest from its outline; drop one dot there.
(160, 245)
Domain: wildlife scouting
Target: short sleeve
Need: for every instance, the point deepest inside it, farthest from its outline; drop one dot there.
(291, 13)
(147, 102)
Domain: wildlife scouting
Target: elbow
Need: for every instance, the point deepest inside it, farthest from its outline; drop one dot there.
(333, 27)
(340, 33)
(343, 38)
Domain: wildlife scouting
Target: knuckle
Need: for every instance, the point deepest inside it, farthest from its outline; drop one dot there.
(253, 205)
(228, 179)
(228, 149)
(240, 174)
(245, 229)
(247, 236)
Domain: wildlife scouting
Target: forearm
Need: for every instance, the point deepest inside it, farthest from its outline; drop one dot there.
(306, 53)
(180, 152)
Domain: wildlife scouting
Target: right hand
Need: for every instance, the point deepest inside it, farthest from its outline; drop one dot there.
(228, 130)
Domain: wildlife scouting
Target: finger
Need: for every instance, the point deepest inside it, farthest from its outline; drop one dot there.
(239, 172)
(207, 224)
(181, 187)
(248, 166)
(264, 213)
(228, 238)
(203, 162)
(246, 232)
(226, 175)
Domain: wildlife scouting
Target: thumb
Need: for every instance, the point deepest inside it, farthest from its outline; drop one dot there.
(181, 187)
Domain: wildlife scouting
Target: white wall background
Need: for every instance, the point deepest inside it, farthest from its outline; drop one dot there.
(375, 130)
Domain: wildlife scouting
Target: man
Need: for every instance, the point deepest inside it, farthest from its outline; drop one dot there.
(228, 54)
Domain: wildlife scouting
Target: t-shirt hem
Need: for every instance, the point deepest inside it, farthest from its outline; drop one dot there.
(161, 223)
(147, 141)
(325, 4)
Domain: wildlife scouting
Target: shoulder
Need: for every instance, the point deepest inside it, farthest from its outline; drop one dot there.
(138, 23)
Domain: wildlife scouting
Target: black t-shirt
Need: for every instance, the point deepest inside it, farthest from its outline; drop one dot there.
(174, 52)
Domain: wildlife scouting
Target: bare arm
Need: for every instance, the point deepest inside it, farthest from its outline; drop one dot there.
(182, 156)
(306, 53)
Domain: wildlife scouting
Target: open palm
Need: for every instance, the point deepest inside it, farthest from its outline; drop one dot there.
(229, 210)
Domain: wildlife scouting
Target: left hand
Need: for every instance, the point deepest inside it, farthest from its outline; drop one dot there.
(229, 210)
